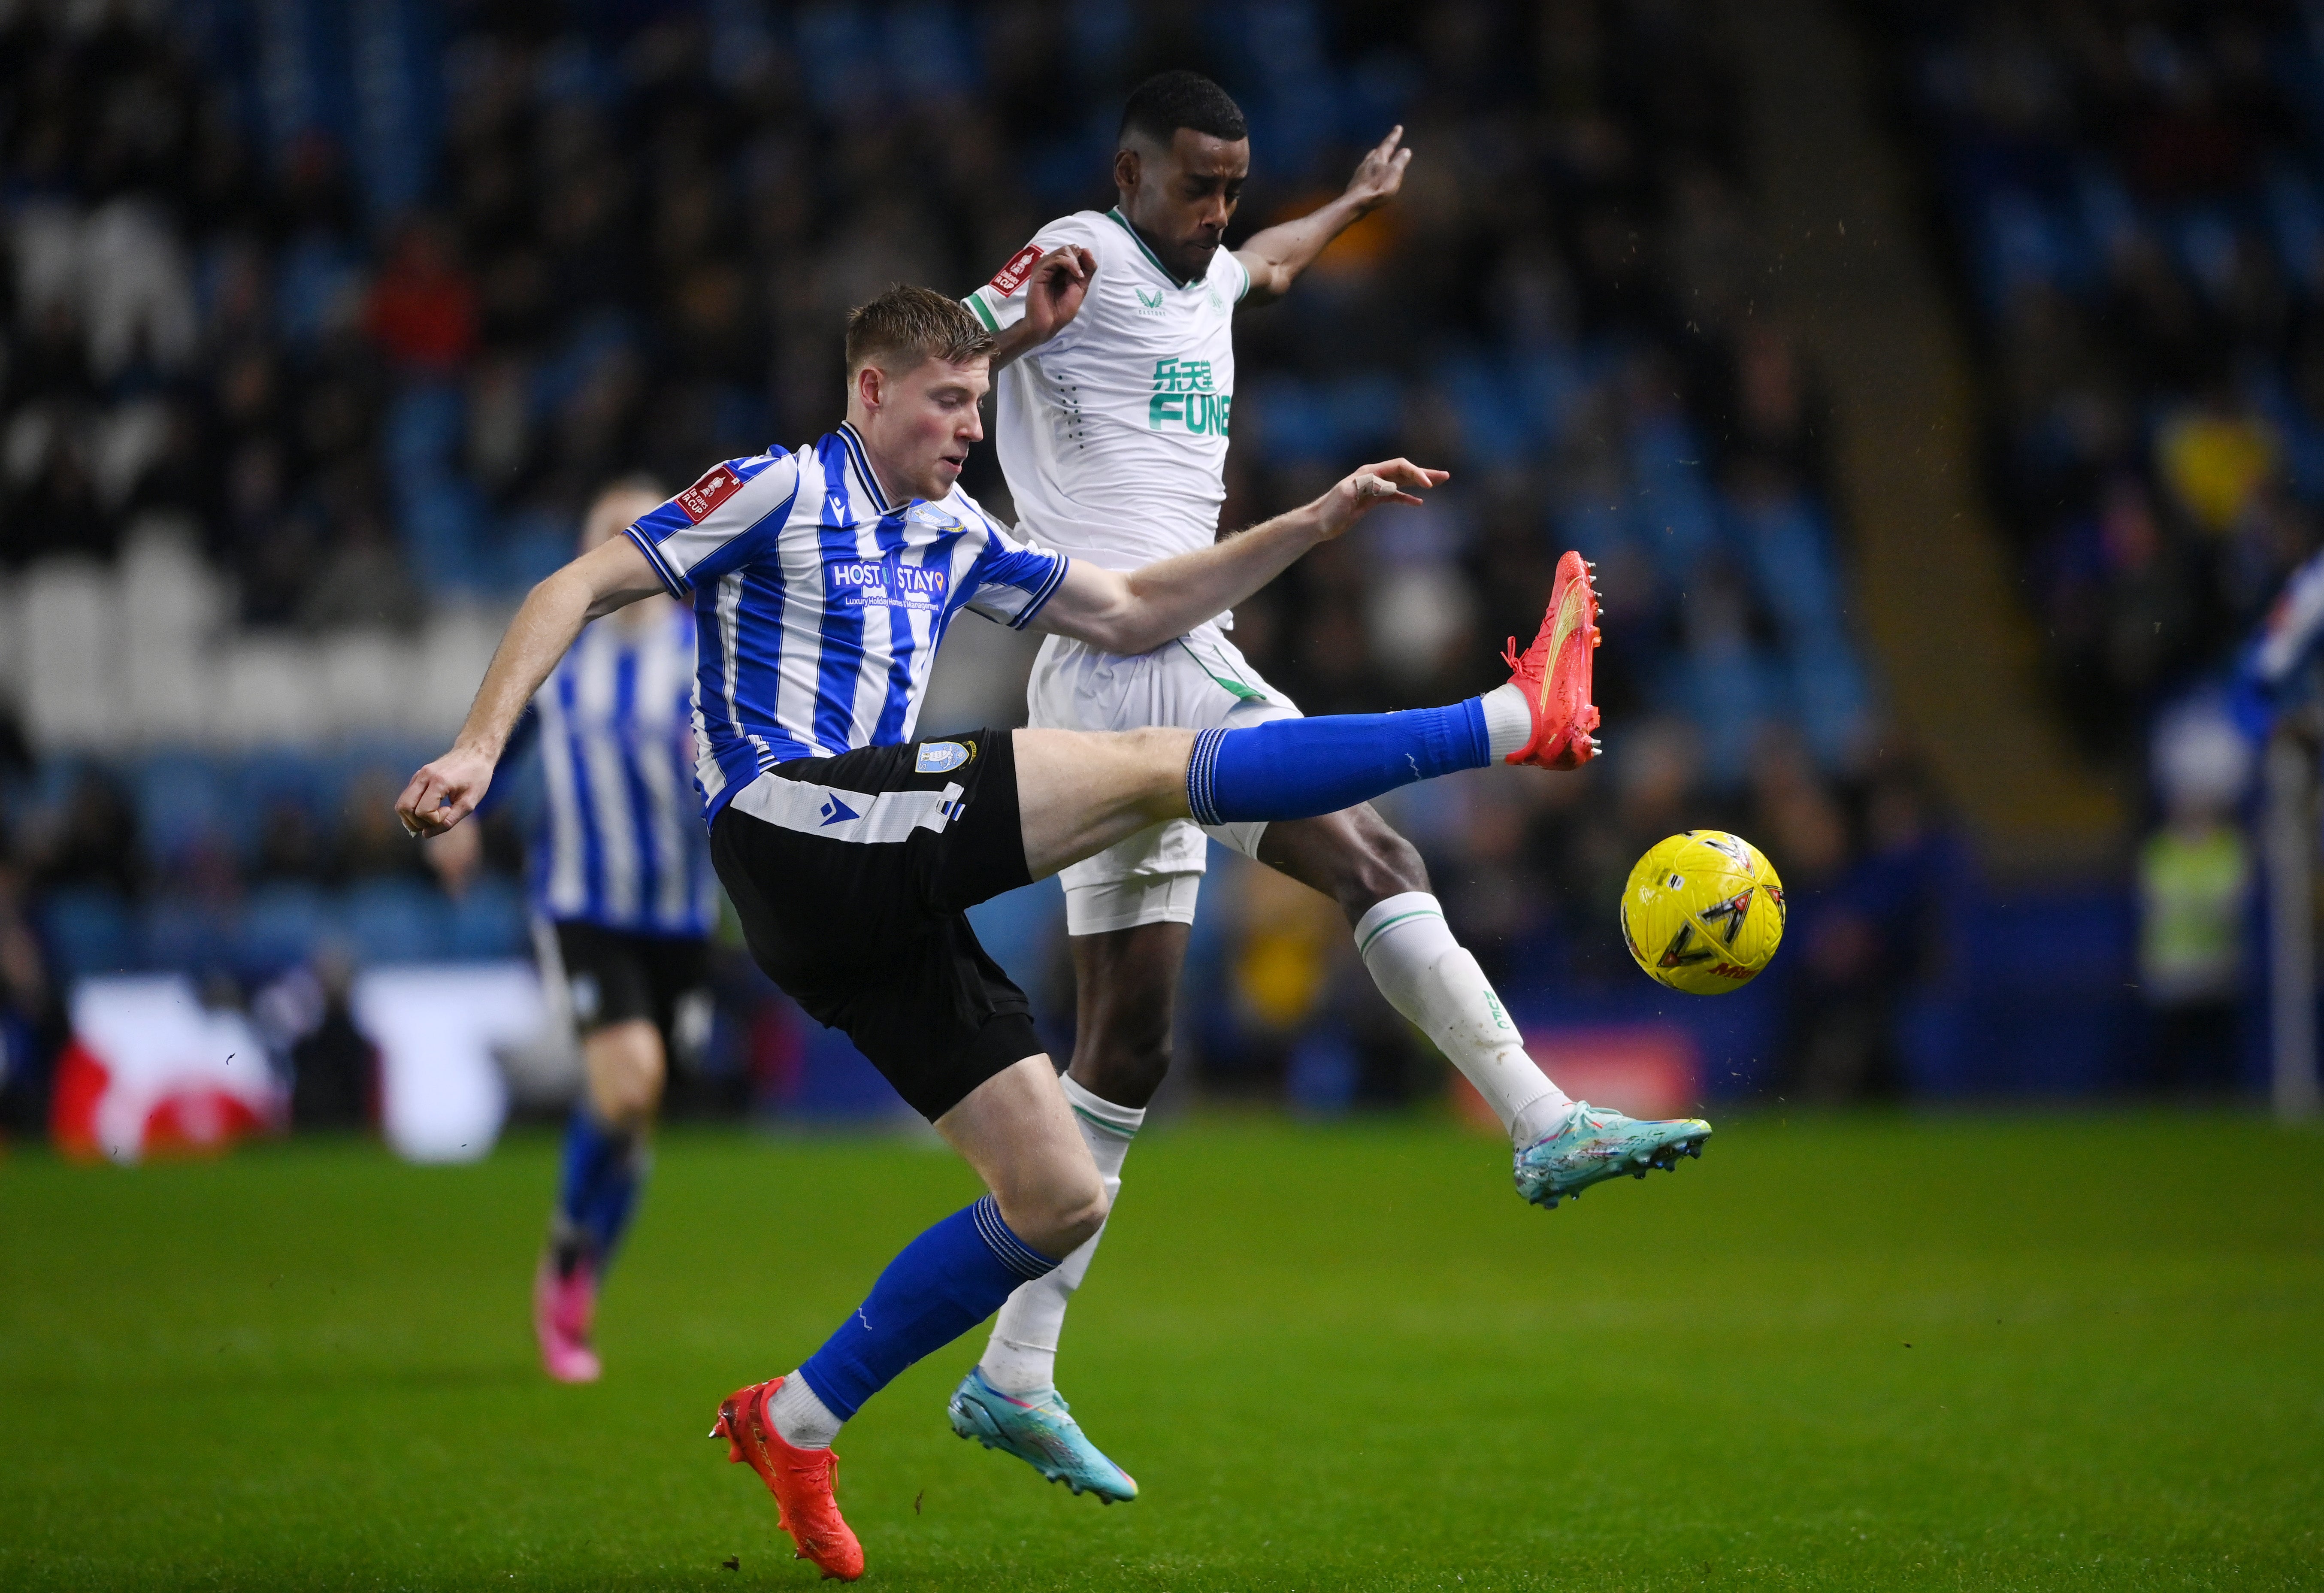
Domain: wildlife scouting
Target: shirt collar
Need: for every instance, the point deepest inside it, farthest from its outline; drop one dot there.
(860, 465)
(1172, 277)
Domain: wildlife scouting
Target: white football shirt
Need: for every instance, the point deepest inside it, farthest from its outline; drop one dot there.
(1113, 434)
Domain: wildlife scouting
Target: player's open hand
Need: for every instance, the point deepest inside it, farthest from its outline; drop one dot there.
(1054, 289)
(444, 792)
(1380, 173)
(1392, 481)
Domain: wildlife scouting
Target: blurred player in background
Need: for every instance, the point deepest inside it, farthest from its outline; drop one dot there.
(1114, 438)
(621, 872)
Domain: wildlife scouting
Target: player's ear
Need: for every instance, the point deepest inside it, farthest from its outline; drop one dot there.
(1127, 168)
(871, 388)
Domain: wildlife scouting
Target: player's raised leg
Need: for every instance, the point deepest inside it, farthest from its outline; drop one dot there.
(1544, 716)
(1079, 793)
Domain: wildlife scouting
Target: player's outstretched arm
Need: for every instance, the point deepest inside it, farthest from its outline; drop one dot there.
(1140, 609)
(610, 576)
(1276, 257)
(1054, 291)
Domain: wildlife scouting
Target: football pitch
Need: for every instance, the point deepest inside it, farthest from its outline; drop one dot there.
(2032, 1351)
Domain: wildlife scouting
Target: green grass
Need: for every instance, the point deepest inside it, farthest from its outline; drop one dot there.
(2031, 1352)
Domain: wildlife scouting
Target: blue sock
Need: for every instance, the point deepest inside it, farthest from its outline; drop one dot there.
(1296, 768)
(604, 1167)
(938, 1286)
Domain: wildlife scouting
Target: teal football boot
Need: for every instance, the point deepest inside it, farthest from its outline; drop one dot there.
(1595, 1143)
(1040, 1431)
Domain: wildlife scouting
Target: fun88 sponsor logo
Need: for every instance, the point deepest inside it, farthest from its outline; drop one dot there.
(1184, 398)
(868, 583)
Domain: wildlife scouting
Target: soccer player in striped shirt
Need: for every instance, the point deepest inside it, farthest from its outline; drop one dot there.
(621, 877)
(1114, 436)
(823, 581)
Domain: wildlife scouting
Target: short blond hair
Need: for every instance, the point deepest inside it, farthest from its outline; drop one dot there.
(906, 325)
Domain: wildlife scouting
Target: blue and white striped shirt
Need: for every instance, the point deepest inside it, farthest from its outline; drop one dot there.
(621, 845)
(820, 604)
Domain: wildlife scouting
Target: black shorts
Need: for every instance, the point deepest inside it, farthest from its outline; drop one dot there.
(614, 976)
(852, 876)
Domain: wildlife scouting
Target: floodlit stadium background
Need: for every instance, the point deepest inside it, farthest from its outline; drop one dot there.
(1939, 388)
(1936, 462)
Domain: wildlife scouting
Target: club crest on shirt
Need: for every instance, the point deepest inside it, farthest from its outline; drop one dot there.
(706, 494)
(941, 757)
(1011, 276)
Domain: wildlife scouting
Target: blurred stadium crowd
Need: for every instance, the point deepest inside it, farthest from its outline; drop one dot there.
(2131, 190)
(323, 319)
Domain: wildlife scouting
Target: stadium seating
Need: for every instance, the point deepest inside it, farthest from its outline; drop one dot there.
(2131, 199)
(429, 275)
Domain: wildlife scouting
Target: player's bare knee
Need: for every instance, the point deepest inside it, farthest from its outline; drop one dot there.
(1160, 754)
(1059, 1217)
(1380, 864)
(1124, 1068)
(1079, 1217)
(626, 1103)
(624, 1068)
(1143, 1066)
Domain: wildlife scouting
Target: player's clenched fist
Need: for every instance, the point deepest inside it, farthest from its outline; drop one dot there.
(444, 792)
(1385, 483)
(1055, 287)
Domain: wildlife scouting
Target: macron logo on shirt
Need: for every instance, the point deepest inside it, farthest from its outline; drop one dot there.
(704, 496)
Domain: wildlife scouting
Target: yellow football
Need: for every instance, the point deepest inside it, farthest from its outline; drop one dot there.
(1703, 912)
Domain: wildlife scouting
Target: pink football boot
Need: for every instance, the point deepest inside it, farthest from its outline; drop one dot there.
(1554, 673)
(562, 1308)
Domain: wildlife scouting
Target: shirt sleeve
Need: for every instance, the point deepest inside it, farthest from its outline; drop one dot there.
(728, 517)
(999, 304)
(1242, 272)
(1011, 581)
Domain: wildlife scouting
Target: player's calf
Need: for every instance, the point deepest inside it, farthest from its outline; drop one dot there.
(1356, 858)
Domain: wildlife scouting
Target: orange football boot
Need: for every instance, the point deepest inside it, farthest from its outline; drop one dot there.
(1554, 673)
(800, 1480)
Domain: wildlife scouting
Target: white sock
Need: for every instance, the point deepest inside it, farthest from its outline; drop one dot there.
(1426, 975)
(1022, 1356)
(1508, 725)
(805, 1422)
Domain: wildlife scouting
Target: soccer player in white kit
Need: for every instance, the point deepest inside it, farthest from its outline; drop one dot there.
(1113, 435)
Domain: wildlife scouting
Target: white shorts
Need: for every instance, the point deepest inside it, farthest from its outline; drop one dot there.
(1199, 681)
